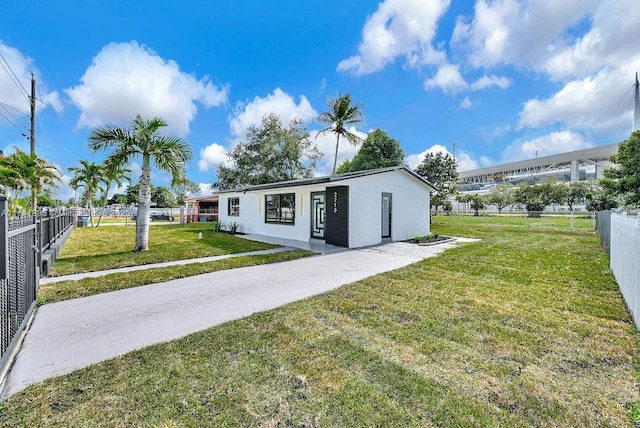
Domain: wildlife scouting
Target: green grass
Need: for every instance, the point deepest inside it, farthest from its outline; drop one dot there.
(525, 328)
(110, 247)
(65, 290)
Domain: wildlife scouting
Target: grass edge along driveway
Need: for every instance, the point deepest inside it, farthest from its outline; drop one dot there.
(526, 328)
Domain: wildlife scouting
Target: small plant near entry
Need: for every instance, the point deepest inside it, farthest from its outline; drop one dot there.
(233, 227)
(217, 226)
(417, 238)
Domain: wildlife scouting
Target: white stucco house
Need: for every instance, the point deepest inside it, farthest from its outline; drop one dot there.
(351, 210)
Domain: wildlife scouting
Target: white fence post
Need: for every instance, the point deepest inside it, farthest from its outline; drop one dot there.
(624, 254)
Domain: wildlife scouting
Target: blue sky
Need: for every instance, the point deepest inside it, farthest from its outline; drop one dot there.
(504, 79)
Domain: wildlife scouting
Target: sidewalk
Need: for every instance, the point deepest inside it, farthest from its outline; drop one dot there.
(73, 334)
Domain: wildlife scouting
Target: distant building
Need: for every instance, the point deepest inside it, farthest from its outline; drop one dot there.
(580, 165)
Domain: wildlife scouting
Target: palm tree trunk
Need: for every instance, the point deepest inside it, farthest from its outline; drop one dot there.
(144, 203)
(335, 159)
(105, 200)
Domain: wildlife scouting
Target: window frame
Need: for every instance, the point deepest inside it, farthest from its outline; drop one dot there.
(230, 205)
(274, 208)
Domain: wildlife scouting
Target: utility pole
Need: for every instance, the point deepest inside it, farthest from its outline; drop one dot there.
(636, 117)
(32, 137)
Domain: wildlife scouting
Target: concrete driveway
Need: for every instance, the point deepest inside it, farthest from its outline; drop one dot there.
(73, 334)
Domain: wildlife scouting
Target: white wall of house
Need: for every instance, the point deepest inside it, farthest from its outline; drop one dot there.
(252, 216)
(410, 209)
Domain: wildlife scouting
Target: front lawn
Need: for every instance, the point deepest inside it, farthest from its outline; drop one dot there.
(109, 247)
(525, 328)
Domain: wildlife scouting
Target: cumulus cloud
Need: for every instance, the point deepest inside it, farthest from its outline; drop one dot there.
(550, 144)
(448, 78)
(125, 79)
(211, 156)
(465, 161)
(517, 32)
(279, 102)
(399, 28)
(205, 188)
(488, 81)
(16, 85)
(582, 103)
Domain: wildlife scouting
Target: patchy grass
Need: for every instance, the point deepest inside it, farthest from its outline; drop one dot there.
(526, 328)
(65, 290)
(110, 247)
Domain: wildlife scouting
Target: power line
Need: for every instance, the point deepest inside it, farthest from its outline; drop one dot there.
(12, 75)
(595, 122)
(13, 116)
(14, 125)
(14, 108)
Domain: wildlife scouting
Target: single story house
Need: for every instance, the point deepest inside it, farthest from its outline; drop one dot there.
(351, 210)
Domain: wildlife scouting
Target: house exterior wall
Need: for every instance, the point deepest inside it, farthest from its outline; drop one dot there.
(252, 215)
(410, 209)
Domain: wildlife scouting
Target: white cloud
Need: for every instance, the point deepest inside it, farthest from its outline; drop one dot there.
(591, 103)
(205, 189)
(125, 79)
(399, 28)
(464, 160)
(466, 103)
(550, 144)
(448, 78)
(211, 156)
(279, 102)
(327, 145)
(488, 81)
(518, 32)
(16, 90)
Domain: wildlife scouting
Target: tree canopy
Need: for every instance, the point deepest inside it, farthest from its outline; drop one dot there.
(273, 152)
(623, 180)
(377, 151)
(441, 170)
(342, 114)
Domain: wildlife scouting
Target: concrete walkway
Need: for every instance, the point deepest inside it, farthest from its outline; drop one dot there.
(73, 334)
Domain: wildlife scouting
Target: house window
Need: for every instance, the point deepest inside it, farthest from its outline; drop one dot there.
(280, 209)
(233, 208)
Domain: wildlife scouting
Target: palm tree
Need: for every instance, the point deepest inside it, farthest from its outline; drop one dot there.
(169, 154)
(88, 175)
(113, 173)
(342, 114)
(21, 171)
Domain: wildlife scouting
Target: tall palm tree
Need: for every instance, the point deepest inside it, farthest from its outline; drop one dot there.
(113, 173)
(169, 154)
(89, 175)
(342, 114)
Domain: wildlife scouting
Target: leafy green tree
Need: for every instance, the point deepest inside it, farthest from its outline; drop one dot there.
(502, 195)
(576, 193)
(531, 197)
(162, 197)
(168, 154)
(273, 152)
(377, 151)
(183, 190)
(551, 192)
(342, 114)
(624, 178)
(441, 170)
(89, 176)
(477, 204)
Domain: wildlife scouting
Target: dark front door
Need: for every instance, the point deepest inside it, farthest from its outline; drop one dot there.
(386, 215)
(317, 214)
(337, 220)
